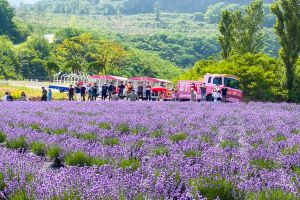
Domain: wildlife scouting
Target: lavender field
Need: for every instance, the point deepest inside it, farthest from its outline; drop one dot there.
(149, 150)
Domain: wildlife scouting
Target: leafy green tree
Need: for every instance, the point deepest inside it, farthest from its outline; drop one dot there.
(288, 30)
(9, 65)
(7, 24)
(248, 28)
(226, 37)
(6, 16)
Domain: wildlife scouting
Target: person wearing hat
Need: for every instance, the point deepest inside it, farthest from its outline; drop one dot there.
(104, 92)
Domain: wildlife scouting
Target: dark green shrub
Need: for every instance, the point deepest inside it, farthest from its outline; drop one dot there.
(100, 161)
(111, 141)
(157, 133)
(265, 164)
(229, 143)
(290, 151)
(35, 127)
(79, 158)
(279, 138)
(105, 126)
(54, 152)
(213, 189)
(38, 148)
(2, 184)
(123, 128)
(161, 151)
(88, 136)
(139, 129)
(192, 154)
(178, 137)
(18, 143)
(131, 164)
(2, 137)
(20, 195)
(60, 131)
(277, 194)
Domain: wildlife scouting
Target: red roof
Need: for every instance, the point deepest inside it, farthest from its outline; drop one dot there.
(149, 79)
(108, 77)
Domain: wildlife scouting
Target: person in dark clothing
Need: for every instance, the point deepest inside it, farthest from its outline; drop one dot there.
(44, 94)
(104, 91)
(71, 93)
(94, 92)
(162, 84)
(140, 90)
(9, 97)
(77, 92)
(148, 92)
(121, 89)
(111, 89)
(82, 92)
(224, 94)
(203, 91)
(90, 91)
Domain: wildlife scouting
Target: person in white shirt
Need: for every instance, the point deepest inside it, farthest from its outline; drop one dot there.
(5, 96)
(217, 96)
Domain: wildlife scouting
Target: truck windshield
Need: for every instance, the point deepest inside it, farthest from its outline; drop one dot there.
(232, 83)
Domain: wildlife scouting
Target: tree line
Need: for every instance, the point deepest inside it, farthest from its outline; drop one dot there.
(112, 7)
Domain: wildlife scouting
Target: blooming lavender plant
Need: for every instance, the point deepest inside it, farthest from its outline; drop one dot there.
(149, 150)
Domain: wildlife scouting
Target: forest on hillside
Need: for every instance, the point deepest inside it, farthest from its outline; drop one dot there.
(111, 7)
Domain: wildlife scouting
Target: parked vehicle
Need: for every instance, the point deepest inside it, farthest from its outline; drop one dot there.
(231, 82)
(184, 90)
(158, 86)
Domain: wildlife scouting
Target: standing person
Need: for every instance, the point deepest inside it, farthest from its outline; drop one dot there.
(71, 93)
(49, 98)
(94, 92)
(140, 90)
(203, 91)
(89, 91)
(104, 92)
(82, 92)
(114, 96)
(111, 89)
(148, 92)
(77, 92)
(193, 95)
(5, 96)
(121, 89)
(224, 94)
(9, 97)
(44, 94)
(193, 86)
(133, 96)
(129, 89)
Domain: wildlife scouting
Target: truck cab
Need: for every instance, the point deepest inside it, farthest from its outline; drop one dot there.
(234, 94)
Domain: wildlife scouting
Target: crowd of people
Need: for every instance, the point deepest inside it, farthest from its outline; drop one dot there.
(114, 93)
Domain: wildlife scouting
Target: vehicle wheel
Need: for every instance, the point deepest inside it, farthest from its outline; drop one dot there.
(209, 98)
